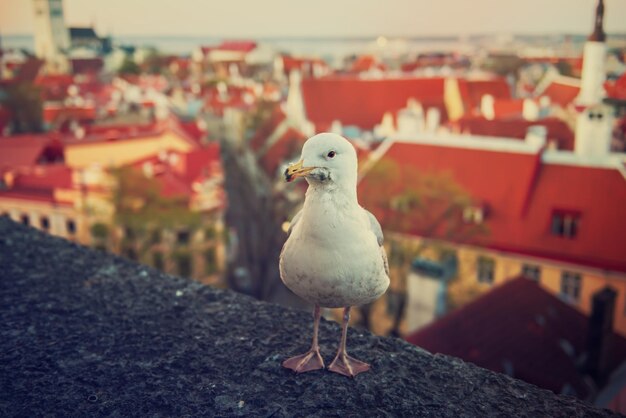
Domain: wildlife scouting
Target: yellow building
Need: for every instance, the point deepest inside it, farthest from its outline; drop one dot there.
(68, 189)
(505, 208)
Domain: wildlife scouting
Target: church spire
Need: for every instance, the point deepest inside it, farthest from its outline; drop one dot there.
(598, 34)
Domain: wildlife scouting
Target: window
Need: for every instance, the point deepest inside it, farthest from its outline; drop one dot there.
(474, 214)
(70, 225)
(25, 220)
(157, 261)
(182, 237)
(570, 286)
(485, 269)
(183, 264)
(449, 261)
(44, 223)
(210, 266)
(531, 272)
(564, 224)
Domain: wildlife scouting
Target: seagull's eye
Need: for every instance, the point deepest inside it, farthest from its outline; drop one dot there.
(331, 154)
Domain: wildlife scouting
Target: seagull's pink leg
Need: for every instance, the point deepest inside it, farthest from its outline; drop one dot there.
(312, 359)
(343, 363)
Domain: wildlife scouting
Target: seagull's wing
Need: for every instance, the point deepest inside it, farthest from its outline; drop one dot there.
(378, 231)
(294, 221)
(375, 226)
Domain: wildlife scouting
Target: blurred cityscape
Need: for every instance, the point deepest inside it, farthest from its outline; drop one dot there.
(495, 164)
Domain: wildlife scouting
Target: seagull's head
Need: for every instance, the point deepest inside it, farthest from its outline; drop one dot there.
(327, 158)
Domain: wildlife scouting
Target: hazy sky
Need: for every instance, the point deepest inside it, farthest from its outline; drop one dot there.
(240, 18)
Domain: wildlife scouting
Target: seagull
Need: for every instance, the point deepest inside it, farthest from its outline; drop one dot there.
(334, 255)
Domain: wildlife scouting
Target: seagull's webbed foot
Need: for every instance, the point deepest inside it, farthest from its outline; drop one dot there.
(312, 359)
(309, 361)
(347, 366)
(343, 363)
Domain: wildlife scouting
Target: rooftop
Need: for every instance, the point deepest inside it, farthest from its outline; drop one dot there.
(524, 327)
(87, 333)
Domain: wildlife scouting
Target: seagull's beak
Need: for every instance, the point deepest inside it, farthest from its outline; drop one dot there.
(296, 170)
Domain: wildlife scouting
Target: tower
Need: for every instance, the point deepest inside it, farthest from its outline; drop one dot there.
(51, 34)
(594, 122)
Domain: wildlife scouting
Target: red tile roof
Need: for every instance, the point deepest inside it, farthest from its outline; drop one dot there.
(27, 150)
(366, 63)
(520, 323)
(302, 64)
(508, 108)
(561, 93)
(231, 46)
(522, 193)
(54, 87)
(57, 113)
(616, 89)
(283, 149)
(472, 92)
(558, 130)
(44, 177)
(363, 102)
(193, 129)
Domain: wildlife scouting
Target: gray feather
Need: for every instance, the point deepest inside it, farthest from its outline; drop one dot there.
(376, 229)
(294, 221)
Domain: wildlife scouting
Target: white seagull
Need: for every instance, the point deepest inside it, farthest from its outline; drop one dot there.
(333, 256)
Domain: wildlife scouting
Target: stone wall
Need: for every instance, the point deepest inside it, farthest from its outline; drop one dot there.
(83, 333)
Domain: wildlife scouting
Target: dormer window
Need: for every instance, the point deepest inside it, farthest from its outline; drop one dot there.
(565, 223)
(595, 115)
(474, 214)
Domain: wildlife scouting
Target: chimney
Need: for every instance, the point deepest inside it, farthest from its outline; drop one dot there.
(536, 135)
(600, 335)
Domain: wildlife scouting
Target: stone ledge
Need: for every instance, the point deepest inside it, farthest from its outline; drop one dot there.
(83, 333)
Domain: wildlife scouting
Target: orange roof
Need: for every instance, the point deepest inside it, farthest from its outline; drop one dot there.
(286, 147)
(522, 324)
(28, 150)
(561, 93)
(363, 102)
(616, 89)
(366, 63)
(521, 194)
(558, 130)
(508, 108)
(472, 92)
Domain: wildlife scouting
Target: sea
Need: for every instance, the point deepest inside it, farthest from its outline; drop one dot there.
(332, 48)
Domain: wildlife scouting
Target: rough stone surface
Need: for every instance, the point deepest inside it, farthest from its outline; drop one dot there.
(83, 333)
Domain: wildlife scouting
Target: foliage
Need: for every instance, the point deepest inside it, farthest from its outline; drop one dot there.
(140, 204)
(155, 63)
(99, 230)
(409, 200)
(129, 67)
(261, 114)
(425, 204)
(503, 64)
(23, 100)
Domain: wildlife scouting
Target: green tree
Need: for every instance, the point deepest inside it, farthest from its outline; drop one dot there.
(23, 100)
(141, 209)
(408, 200)
(129, 67)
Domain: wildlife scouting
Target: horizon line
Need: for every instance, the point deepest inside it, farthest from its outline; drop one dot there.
(336, 36)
